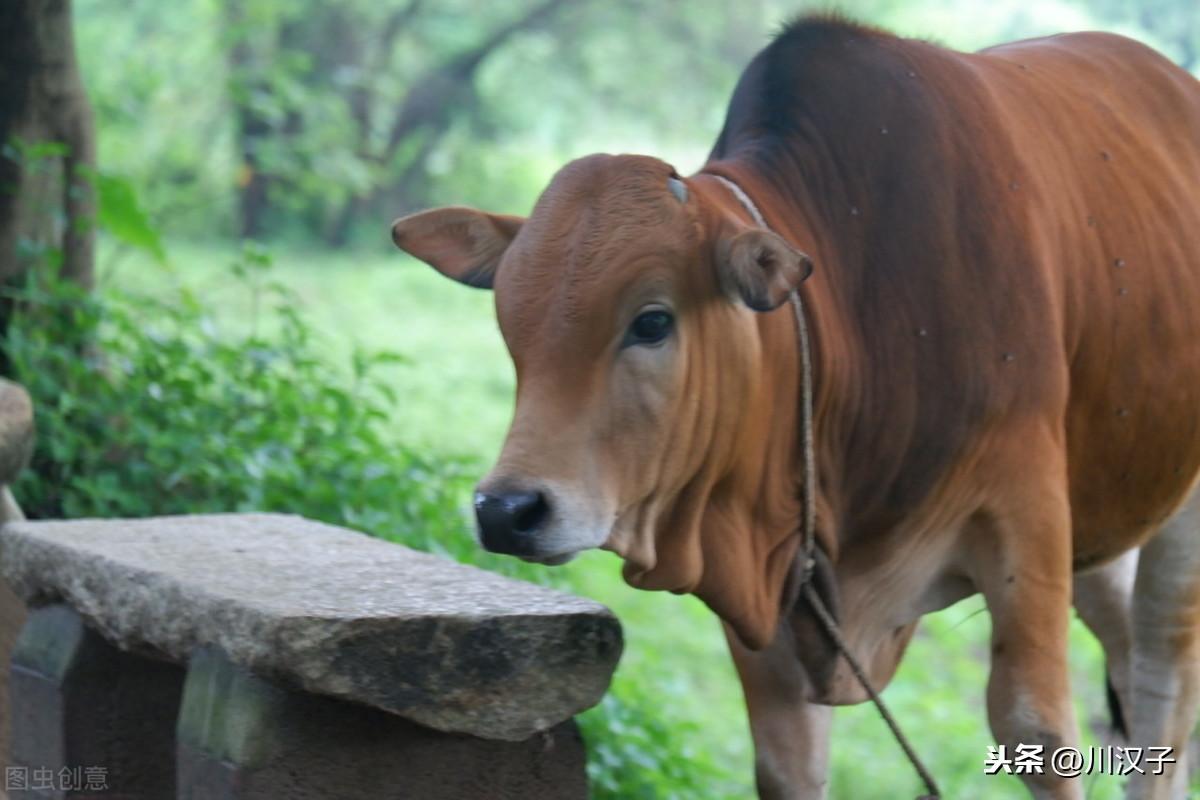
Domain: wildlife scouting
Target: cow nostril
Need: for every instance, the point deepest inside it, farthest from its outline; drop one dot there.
(530, 512)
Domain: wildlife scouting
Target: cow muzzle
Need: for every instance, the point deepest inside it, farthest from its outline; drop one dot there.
(538, 520)
(510, 520)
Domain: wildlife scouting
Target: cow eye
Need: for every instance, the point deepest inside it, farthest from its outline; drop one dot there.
(649, 328)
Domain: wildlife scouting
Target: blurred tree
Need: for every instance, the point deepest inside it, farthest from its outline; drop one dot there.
(314, 120)
(337, 116)
(1173, 23)
(47, 149)
(262, 40)
(427, 110)
(296, 70)
(48, 142)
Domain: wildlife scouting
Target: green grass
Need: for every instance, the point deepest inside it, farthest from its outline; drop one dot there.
(455, 397)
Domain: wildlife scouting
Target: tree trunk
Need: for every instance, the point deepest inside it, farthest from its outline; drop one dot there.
(251, 128)
(45, 200)
(255, 130)
(47, 146)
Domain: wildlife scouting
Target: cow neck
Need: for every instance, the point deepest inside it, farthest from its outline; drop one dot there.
(808, 468)
(833, 368)
(802, 583)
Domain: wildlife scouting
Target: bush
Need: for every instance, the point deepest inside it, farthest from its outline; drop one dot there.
(145, 408)
(634, 754)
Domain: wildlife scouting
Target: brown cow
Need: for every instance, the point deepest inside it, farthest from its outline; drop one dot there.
(1006, 351)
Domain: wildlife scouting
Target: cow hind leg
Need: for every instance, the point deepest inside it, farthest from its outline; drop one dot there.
(791, 735)
(1166, 652)
(1103, 598)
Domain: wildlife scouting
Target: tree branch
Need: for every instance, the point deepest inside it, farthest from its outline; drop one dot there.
(362, 97)
(397, 21)
(426, 102)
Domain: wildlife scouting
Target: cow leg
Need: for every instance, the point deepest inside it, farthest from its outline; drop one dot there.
(1103, 598)
(1023, 569)
(791, 735)
(1166, 652)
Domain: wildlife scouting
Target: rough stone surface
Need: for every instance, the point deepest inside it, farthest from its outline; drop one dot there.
(330, 610)
(9, 510)
(16, 430)
(242, 737)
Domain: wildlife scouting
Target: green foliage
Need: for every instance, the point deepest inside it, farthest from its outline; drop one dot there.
(122, 215)
(635, 753)
(327, 86)
(144, 407)
(161, 114)
(31, 155)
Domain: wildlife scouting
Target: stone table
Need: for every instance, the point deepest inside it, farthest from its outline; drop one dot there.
(267, 656)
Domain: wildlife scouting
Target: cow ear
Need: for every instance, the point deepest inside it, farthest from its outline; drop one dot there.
(461, 243)
(760, 268)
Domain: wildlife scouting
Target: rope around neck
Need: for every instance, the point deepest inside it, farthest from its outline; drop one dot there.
(809, 520)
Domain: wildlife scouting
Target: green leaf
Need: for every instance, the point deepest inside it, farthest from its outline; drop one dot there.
(29, 152)
(121, 214)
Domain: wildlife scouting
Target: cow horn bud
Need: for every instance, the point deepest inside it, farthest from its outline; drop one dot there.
(678, 188)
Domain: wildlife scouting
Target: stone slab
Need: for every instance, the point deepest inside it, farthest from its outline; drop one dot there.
(329, 610)
(16, 430)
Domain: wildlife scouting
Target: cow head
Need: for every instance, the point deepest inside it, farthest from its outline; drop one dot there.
(648, 417)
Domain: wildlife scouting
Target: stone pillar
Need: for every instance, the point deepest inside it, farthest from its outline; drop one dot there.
(12, 619)
(89, 720)
(242, 736)
(16, 446)
(16, 438)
